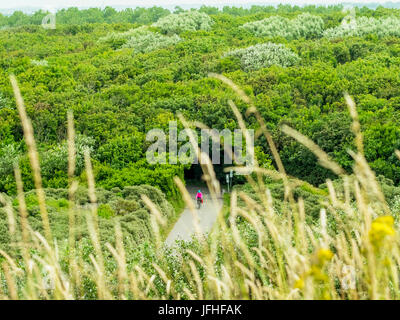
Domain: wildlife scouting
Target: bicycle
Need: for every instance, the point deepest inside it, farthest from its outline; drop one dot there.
(199, 202)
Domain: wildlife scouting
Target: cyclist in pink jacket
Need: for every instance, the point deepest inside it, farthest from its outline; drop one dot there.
(199, 198)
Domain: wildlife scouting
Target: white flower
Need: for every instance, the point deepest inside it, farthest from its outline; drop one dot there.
(265, 55)
(42, 63)
(382, 27)
(185, 21)
(141, 39)
(303, 26)
(150, 41)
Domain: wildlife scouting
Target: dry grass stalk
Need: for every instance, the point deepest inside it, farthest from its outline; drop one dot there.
(288, 259)
(33, 156)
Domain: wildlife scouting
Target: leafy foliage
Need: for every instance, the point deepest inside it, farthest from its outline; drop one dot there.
(147, 41)
(141, 39)
(265, 55)
(363, 26)
(185, 21)
(117, 96)
(303, 26)
(125, 205)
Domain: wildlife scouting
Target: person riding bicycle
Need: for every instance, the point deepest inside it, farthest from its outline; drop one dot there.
(199, 196)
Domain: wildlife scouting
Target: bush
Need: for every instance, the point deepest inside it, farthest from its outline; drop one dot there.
(265, 55)
(313, 197)
(40, 63)
(120, 151)
(56, 158)
(125, 204)
(9, 156)
(105, 211)
(382, 27)
(147, 41)
(303, 26)
(185, 21)
(141, 39)
(140, 173)
(117, 39)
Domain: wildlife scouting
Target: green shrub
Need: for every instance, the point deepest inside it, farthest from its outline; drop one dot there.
(362, 26)
(265, 55)
(147, 41)
(120, 151)
(124, 204)
(105, 211)
(303, 26)
(185, 21)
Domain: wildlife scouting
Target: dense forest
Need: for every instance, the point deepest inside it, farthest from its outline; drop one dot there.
(123, 73)
(126, 72)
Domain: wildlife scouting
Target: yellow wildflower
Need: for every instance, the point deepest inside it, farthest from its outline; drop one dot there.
(381, 228)
(318, 274)
(299, 284)
(316, 270)
(324, 255)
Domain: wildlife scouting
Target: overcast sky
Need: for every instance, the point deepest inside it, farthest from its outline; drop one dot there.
(46, 4)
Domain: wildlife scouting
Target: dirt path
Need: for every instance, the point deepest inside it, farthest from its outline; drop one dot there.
(185, 227)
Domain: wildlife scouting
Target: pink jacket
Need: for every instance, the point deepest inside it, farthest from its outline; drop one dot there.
(199, 195)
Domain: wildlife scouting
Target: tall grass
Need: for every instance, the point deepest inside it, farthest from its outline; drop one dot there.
(253, 252)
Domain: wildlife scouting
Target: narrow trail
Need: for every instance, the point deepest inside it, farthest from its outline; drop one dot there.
(185, 227)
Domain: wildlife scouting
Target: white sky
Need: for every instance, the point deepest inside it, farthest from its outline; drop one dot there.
(48, 4)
